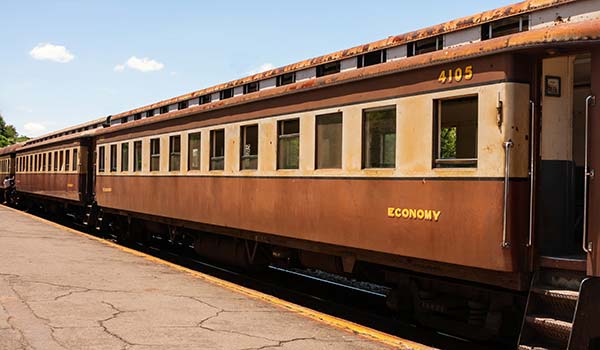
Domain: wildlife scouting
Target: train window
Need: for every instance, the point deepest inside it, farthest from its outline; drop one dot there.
(113, 158)
(455, 132)
(183, 105)
(124, 120)
(286, 78)
(328, 68)
(137, 116)
(249, 147)
(204, 99)
(137, 156)
(194, 151)
(371, 58)
(217, 149)
(288, 144)
(164, 109)
(67, 160)
(379, 138)
(75, 160)
(251, 87)
(125, 156)
(155, 155)
(55, 163)
(425, 46)
(175, 153)
(101, 159)
(227, 93)
(504, 26)
(44, 162)
(149, 113)
(329, 141)
(35, 162)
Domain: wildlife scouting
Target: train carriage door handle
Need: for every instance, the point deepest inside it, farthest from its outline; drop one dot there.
(507, 146)
(588, 174)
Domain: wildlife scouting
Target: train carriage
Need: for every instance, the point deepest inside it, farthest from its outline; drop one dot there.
(454, 163)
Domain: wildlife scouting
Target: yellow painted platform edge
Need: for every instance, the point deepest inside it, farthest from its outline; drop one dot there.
(336, 322)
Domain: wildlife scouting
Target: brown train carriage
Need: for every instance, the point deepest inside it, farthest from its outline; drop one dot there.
(417, 206)
(55, 172)
(419, 161)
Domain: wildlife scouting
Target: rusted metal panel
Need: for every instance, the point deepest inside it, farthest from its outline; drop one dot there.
(463, 227)
(63, 186)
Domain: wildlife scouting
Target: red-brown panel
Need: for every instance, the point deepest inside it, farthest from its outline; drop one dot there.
(64, 186)
(594, 157)
(344, 212)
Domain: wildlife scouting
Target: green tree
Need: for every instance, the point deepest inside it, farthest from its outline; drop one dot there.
(9, 135)
(448, 142)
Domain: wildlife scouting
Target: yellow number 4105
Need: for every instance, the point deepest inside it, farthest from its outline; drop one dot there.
(455, 75)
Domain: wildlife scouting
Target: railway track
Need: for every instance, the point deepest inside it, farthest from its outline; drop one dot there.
(364, 306)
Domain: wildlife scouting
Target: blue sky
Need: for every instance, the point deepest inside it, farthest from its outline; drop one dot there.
(66, 62)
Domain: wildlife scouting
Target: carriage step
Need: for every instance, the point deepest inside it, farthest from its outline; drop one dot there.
(556, 331)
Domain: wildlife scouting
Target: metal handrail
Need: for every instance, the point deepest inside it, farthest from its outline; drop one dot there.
(531, 173)
(588, 173)
(507, 145)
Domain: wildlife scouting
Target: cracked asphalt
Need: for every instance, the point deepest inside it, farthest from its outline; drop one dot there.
(59, 290)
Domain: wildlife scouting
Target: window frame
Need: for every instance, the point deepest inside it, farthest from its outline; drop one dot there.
(67, 160)
(138, 157)
(153, 155)
(325, 68)
(191, 153)
(279, 80)
(213, 148)
(243, 137)
(253, 86)
(101, 159)
(281, 135)
(364, 135)
(361, 60)
(124, 156)
(341, 153)
(226, 93)
(173, 154)
(113, 158)
(452, 163)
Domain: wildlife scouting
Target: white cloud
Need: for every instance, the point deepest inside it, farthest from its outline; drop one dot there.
(47, 51)
(263, 68)
(144, 64)
(119, 68)
(34, 129)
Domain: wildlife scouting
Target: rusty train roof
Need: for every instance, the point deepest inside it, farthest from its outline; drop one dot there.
(11, 149)
(557, 34)
(392, 41)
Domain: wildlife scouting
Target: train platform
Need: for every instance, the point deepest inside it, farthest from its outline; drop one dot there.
(64, 289)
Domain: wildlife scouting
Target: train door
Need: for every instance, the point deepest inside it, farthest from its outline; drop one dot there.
(561, 202)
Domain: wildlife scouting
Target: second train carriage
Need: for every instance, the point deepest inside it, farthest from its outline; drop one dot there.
(462, 151)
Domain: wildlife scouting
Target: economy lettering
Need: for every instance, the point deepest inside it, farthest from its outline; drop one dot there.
(414, 214)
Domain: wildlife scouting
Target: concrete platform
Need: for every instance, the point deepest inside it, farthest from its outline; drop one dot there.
(61, 289)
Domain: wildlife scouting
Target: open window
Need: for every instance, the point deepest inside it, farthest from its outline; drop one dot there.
(113, 158)
(182, 105)
(155, 155)
(328, 68)
(505, 26)
(286, 78)
(194, 151)
(329, 141)
(425, 45)
(288, 145)
(217, 149)
(379, 137)
(164, 109)
(75, 160)
(137, 156)
(56, 162)
(125, 156)
(227, 93)
(175, 153)
(371, 58)
(67, 160)
(101, 159)
(251, 87)
(204, 99)
(455, 132)
(249, 147)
